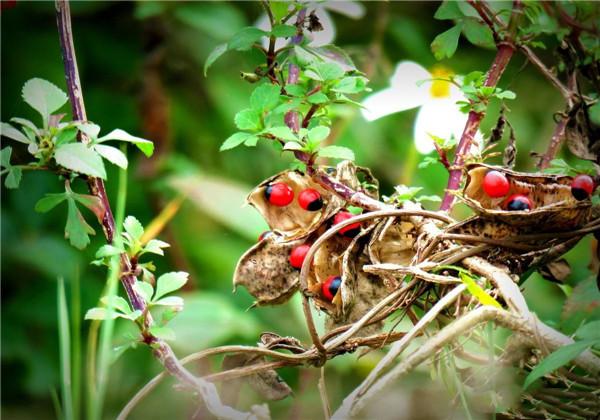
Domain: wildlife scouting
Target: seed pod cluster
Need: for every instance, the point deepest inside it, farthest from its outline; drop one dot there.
(533, 202)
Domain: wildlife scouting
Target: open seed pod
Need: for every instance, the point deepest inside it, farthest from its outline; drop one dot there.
(360, 291)
(393, 241)
(327, 262)
(265, 271)
(292, 221)
(554, 207)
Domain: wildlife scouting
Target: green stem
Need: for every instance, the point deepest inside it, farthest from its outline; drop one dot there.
(107, 328)
(76, 343)
(65, 350)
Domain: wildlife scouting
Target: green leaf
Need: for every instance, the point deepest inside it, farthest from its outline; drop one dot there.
(169, 282)
(133, 227)
(478, 33)
(11, 132)
(214, 56)
(26, 123)
(282, 132)
(164, 333)
(248, 119)
(335, 54)
(280, 9)
(155, 246)
(265, 97)
(112, 154)
(234, 140)
(13, 178)
(350, 85)
(448, 10)
(89, 129)
(43, 96)
(144, 289)
(444, 45)
(295, 90)
(174, 301)
(427, 161)
(98, 314)
(108, 251)
(283, 31)
(478, 292)
(318, 134)
(506, 94)
(49, 202)
(318, 98)
(65, 136)
(5, 157)
(337, 152)
(557, 359)
(77, 230)
(117, 303)
(80, 158)
(589, 331)
(146, 146)
(324, 71)
(251, 141)
(244, 39)
(293, 145)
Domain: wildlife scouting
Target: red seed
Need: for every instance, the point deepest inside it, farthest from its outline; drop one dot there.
(330, 287)
(352, 229)
(298, 254)
(495, 184)
(279, 194)
(310, 199)
(582, 187)
(518, 202)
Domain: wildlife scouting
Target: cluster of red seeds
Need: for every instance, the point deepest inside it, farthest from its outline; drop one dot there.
(281, 194)
(495, 185)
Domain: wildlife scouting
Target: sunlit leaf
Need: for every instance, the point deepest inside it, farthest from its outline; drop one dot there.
(169, 282)
(478, 292)
(444, 45)
(146, 146)
(112, 154)
(43, 96)
(337, 152)
(80, 158)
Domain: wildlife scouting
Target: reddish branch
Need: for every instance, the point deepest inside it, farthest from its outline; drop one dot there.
(503, 56)
(506, 49)
(162, 351)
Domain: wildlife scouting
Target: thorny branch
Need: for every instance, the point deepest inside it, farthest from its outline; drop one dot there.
(161, 349)
(506, 49)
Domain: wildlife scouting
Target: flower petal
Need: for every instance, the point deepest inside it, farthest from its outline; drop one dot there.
(438, 117)
(351, 9)
(407, 74)
(391, 100)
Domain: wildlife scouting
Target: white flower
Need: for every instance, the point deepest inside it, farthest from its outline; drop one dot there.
(438, 116)
(350, 9)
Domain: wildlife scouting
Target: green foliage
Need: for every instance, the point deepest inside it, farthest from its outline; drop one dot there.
(44, 97)
(444, 45)
(13, 173)
(402, 194)
(476, 290)
(77, 230)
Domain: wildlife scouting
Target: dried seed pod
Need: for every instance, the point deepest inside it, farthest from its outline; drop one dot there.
(393, 242)
(264, 270)
(292, 221)
(554, 207)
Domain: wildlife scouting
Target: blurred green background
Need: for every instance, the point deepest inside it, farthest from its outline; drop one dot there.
(141, 70)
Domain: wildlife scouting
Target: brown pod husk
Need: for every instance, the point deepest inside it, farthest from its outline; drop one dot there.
(267, 383)
(555, 208)
(264, 270)
(349, 174)
(292, 221)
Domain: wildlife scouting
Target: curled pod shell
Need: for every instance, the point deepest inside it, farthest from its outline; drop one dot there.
(360, 291)
(554, 207)
(356, 177)
(264, 270)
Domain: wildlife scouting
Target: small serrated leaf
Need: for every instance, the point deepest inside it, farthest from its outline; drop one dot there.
(283, 31)
(43, 96)
(282, 132)
(444, 45)
(169, 282)
(144, 289)
(77, 230)
(265, 97)
(108, 251)
(245, 38)
(112, 154)
(337, 152)
(146, 146)
(234, 140)
(133, 227)
(318, 134)
(117, 302)
(214, 56)
(11, 132)
(164, 333)
(248, 119)
(155, 246)
(49, 202)
(80, 158)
